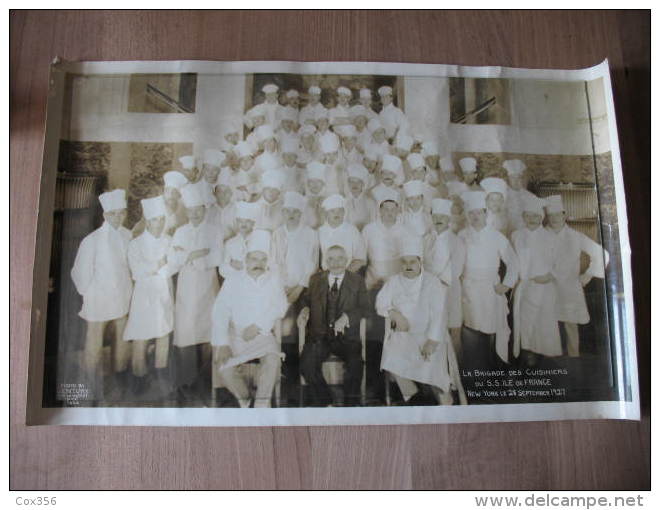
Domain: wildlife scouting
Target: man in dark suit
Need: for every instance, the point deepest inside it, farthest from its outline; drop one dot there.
(334, 303)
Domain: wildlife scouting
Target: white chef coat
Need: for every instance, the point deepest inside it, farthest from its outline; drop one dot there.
(570, 243)
(483, 309)
(444, 256)
(234, 249)
(309, 113)
(152, 306)
(360, 210)
(297, 254)
(345, 235)
(266, 161)
(418, 222)
(382, 244)
(101, 274)
(293, 178)
(379, 148)
(270, 215)
(339, 113)
(535, 326)
(222, 219)
(364, 139)
(376, 190)
(422, 301)
(197, 283)
(498, 221)
(393, 120)
(241, 302)
(515, 201)
(274, 112)
(238, 179)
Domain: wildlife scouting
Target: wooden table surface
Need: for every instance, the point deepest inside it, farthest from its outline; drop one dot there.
(559, 455)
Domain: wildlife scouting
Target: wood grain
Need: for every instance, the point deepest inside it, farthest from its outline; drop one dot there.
(559, 455)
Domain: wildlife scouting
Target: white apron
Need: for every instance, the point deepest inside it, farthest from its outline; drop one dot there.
(382, 251)
(152, 306)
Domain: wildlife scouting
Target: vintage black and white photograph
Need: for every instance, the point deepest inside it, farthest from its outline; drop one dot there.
(333, 240)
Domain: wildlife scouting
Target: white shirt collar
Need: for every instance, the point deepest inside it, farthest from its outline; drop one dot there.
(339, 278)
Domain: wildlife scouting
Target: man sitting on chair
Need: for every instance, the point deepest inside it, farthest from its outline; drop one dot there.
(334, 304)
(418, 348)
(245, 314)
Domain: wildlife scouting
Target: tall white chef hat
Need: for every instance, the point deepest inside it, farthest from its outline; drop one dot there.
(468, 165)
(413, 188)
(335, 201)
(474, 200)
(344, 91)
(174, 179)
(247, 210)
(403, 142)
(187, 162)
(244, 149)
(446, 164)
(153, 207)
(514, 166)
(554, 204)
(441, 206)
(328, 143)
(264, 132)
(430, 148)
(259, 240)
(347, 131)
(314, 90)
(384, 90)
(358, 171)
(307, 129)
(213, 157)
(273, 179)
(316, 170)
(392, 164)
(113, 200)
(289, 144)
(193, 196)
(358, 111)
(456, 188)
(365, 92)
(386, 194)
(371, 153)
(294, 200)
(374, 125)
(411, 246)
(415, 160)
(533, 204)
(270, 88)
(292, 93)
(494, 185)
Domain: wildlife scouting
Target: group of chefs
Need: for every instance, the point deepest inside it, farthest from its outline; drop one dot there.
(341, 220)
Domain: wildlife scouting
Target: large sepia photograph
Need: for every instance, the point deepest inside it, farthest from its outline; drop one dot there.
(397, 246)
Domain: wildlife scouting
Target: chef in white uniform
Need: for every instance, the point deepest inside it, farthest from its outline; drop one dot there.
(516, 192)
(417, 350)
(360, 119)
(292, 99)
(340, 115)
(151, 315)
(496, 211)
(391, 177)
(212, 162)
(485, 307)
(334, 178)
(360, 207)
(102, 277)
(245, 179)
(445, 258)
(431, 154)
(392, 118)
(222, 213)
(245, 315)
(366, 103)
(349, 152)
(418, 172)
(570, 244)
(173, 181)
(469, 170)
(270, 202)
(378, 142)
(233, 258)
(416, 217)
(189, 168)
(271, 106)
(308, 150)
(337, 231)
(310, 112)
(195, 253)
(315, 194)
(382, 238)
(535, 307)
(288, 125)
(270, 157)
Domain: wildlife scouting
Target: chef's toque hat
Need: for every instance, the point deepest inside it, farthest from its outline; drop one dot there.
(174, 179)
(335, 201)
(113, 200)
(494, 185)
(474, 200)
(294, 200)
(468, 165)
(259, 240)
(153, 207)
(413, 188)
(441, 206)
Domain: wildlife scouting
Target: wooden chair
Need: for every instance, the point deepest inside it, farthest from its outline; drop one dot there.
(454, 373)
(332, 367)
(248, 370)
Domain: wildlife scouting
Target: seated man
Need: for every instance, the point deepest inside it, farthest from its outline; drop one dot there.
(418, 348)
(245, 313)
(334, 304)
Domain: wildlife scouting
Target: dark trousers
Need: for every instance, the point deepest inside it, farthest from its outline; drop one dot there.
(193, 365)
(315, 352)
(478, 350)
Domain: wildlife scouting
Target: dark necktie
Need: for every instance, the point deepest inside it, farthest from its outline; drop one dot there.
(334, 289)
